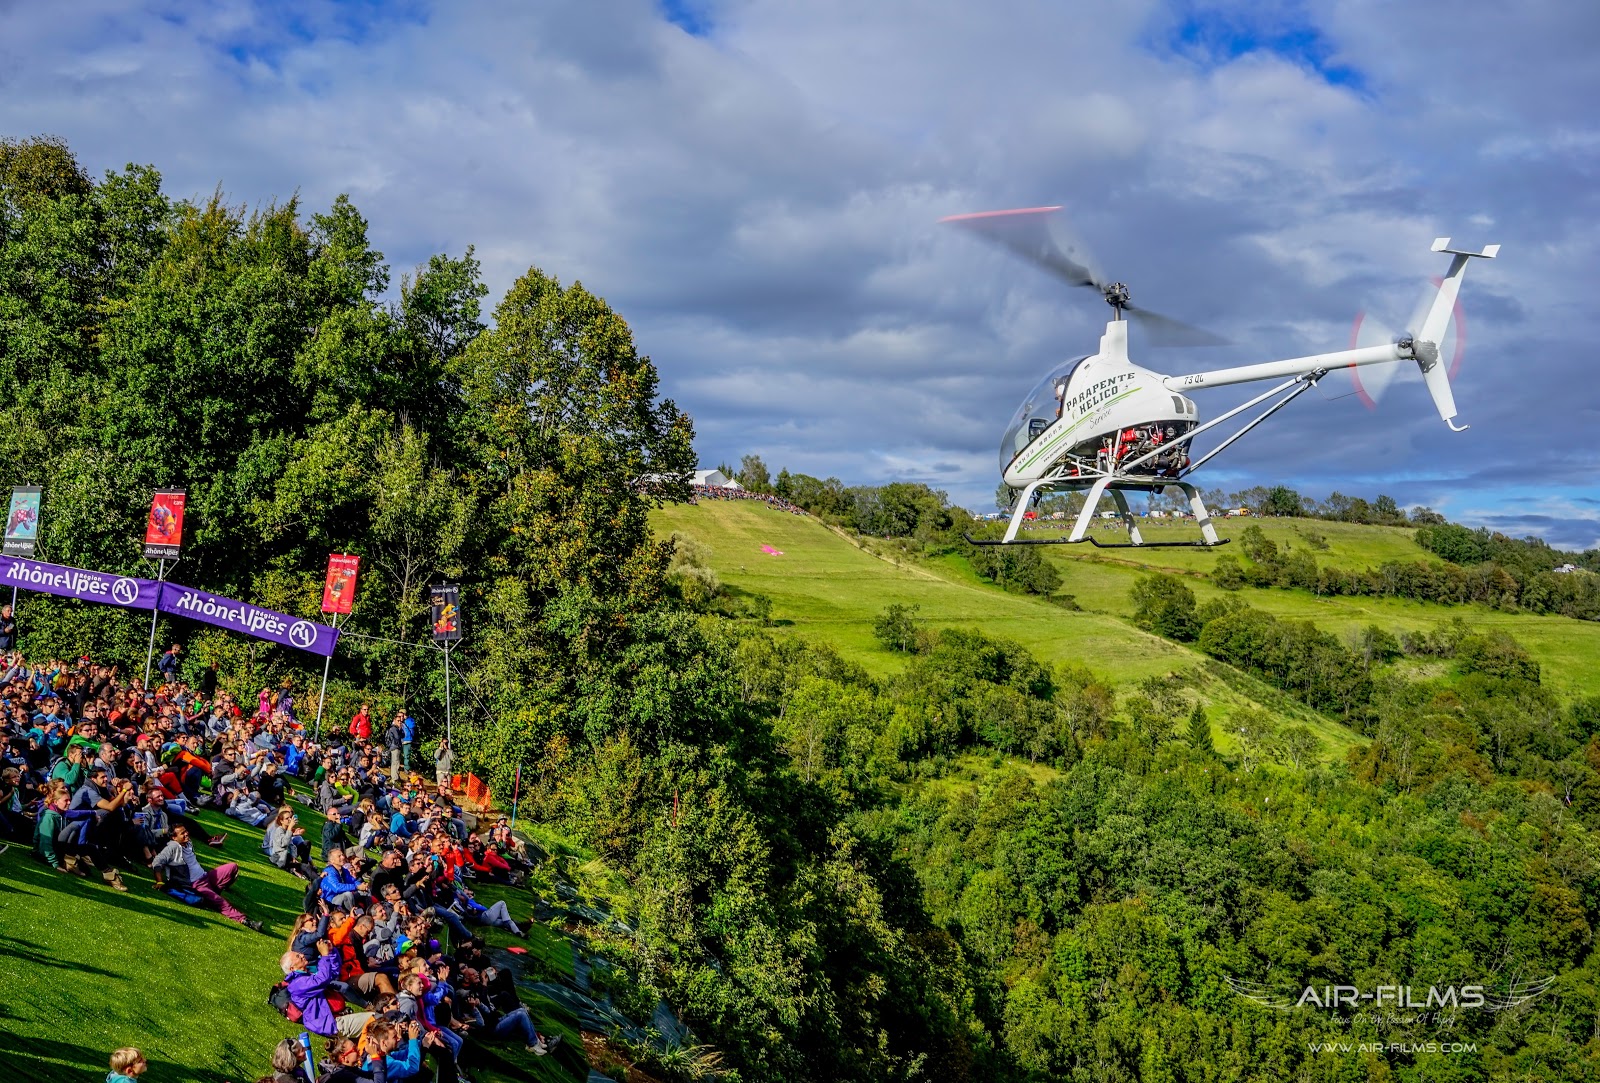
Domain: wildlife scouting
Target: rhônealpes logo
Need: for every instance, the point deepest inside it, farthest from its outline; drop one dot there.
(1431, 998)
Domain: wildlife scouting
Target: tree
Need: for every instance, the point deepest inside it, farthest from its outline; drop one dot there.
(1165, 606)
(1015, 567)
(896, 627)
(1255, 732)
(1296, 746)
(753, 474)
(1227, 574)
(1282, 500)
(1199, 735)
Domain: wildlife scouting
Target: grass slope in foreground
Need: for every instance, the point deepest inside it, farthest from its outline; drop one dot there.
(824, 588)
(88, 969)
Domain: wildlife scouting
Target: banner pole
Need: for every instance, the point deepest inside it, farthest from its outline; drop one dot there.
(155, 612)
(323, 695)
(447, 734)
(516, 790)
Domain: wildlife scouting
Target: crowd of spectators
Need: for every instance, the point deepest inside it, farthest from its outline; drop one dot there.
(728, 492)
(387, 961)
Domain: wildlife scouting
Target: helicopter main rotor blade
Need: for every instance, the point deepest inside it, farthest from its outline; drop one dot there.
(1164, 331)
(1025, 232)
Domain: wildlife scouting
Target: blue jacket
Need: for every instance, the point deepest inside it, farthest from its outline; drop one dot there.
(336, 881)
(399, 1066)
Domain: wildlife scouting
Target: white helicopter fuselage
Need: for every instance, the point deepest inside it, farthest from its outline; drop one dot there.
(1092, 415)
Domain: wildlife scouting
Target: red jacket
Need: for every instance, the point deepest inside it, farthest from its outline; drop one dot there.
(361, 726)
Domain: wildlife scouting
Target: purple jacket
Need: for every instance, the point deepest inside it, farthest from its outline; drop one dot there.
(308, 992)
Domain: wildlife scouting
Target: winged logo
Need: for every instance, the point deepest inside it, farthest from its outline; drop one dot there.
(1277, 997)
(1518, 992)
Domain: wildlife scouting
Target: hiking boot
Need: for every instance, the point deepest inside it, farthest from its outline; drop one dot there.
(74, 866)
(254, 926)
(84, 861)
(114, 878)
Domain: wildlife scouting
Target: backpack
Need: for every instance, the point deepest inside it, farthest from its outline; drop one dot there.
(278, 997)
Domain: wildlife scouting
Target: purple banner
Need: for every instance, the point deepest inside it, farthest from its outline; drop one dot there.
(252, 620)
(102, 587)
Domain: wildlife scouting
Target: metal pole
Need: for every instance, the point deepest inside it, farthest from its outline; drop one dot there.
(155, 612)
(447, 734)
(516, 792)
(322, 697)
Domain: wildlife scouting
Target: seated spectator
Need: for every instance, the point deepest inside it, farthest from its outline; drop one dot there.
(285, 844)
(339, 886)
(309, 990)
(177, 863)
(246, 808)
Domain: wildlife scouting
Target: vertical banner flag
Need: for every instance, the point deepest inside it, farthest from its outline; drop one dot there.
(446, 601)
(339, 589)
(22, 521)
(163, 534)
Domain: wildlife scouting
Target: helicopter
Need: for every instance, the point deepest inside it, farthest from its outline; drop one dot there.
(1106, 425)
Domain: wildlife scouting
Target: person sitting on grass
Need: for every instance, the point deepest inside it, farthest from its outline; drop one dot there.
(246, 808)
(48, 844)
(127, 1065)
(177, 862)
(349, 933)
(339, 885)
(285, 845)
(493, 994)
(311, 990)
(398, 1046)
(288, 1063)
(334, 835)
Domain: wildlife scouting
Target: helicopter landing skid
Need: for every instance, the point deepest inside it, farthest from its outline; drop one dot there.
(1098, 544)
(1024, 541)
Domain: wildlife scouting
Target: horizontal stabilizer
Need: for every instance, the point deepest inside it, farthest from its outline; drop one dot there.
(1488, 251)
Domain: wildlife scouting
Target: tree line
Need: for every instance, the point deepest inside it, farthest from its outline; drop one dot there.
(1528, 580)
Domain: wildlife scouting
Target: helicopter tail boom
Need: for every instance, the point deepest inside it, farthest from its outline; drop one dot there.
(1421, 346)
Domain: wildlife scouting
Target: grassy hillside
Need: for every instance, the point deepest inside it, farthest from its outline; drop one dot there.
(1568, 650)
(824, 587)
(102, 969)
(828, 588)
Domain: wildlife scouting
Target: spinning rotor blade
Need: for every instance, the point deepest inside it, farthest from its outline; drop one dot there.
(1027, 233)
(1166, 331)
(1372, 381)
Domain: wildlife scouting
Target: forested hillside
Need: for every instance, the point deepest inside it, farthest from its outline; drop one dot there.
(1029, 842)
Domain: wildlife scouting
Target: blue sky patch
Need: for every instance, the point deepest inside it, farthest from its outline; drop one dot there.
(1213, 37)
(690, 16)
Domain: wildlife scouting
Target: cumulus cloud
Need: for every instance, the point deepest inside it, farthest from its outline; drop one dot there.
(755, 185)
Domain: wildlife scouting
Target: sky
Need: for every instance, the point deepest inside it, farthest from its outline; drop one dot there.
(756, 186)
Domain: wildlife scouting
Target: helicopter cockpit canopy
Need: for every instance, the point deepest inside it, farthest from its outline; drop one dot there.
(1038, 411)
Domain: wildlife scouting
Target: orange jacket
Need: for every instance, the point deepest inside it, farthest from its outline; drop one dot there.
(340, 934)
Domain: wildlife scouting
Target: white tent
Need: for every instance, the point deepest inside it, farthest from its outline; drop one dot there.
(715, 478)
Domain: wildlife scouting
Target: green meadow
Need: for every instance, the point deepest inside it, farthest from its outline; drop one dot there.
(828, 586)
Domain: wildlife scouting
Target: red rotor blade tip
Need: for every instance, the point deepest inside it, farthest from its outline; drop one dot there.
(998, 214)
